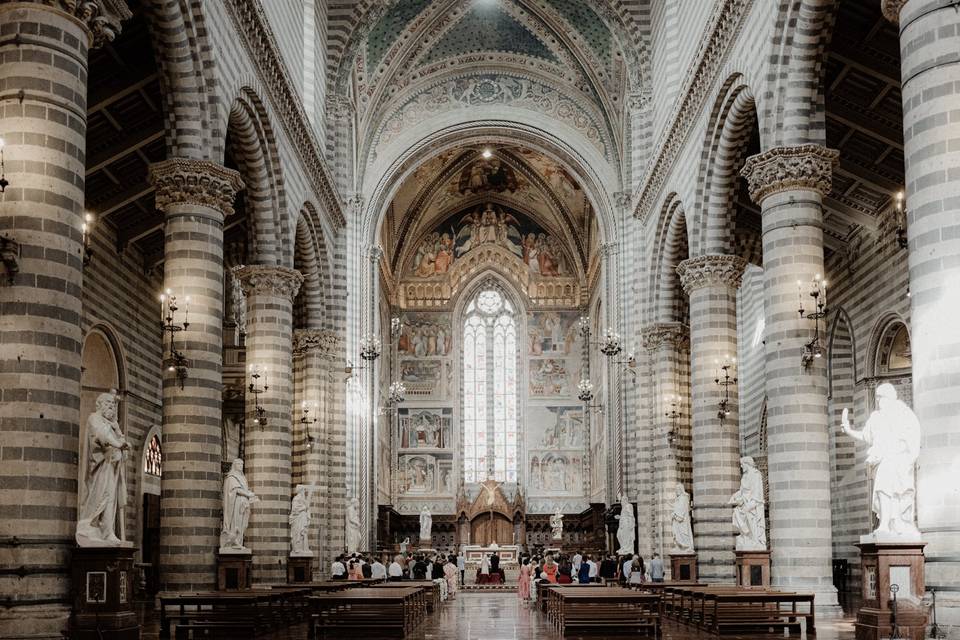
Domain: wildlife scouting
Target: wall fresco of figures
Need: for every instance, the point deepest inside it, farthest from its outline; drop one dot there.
(426, 428)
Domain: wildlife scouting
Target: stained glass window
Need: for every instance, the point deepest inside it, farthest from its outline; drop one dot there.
(490, 389)
(153, 461)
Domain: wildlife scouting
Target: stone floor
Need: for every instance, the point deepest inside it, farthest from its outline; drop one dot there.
(501, 616)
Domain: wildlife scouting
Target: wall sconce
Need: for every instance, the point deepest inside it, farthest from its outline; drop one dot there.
(725, 381)
(583, 326)
(611, 344)
(370, 347)
(87, 227)
(673, 415)
(818, 291)
(4, 183)
(901, 220)
(585, 394)
(175, 360)
(256, 389)
(396, 394)
(306, 421)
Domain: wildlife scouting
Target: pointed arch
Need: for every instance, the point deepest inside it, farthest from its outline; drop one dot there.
(668, 301)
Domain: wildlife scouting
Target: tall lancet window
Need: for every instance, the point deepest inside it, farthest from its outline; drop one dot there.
(490, 389)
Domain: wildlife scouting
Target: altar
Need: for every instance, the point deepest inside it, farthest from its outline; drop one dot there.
(509, 554)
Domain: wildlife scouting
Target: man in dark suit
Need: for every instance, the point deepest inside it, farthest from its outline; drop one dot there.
(420, 569)
(495, 567)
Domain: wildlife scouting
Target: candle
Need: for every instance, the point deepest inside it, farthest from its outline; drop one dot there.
(186, 311)
(824, 294)
(163, 299)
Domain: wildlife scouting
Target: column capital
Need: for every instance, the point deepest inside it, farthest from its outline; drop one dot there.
(608, 249)
(891, 9)
(323, 342)
(101, 17)
(673, 334)
(705, 271)
(195, 182)
(374, 253)
(270, 280)
(806, 167)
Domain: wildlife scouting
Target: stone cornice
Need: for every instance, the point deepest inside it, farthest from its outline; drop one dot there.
(891, 9)
(672, 334)
(807, 167)
(704, 271)
(194, 182)
(264, 279)
(701, 75)
(258, 38)
(323, 342)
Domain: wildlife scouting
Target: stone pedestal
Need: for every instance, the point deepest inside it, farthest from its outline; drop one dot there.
(683, 567)
(103, 579)
(753, 568)
(299, 569)
(234, 571)
(885, 564)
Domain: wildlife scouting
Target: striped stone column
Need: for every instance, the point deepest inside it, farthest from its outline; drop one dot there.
(712, 282)
(267, 444)
(930, 71)
(43, 92)
(789, 183)
(195, 197)
(668, 347)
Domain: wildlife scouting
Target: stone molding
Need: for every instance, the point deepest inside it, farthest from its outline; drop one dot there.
(281, 282)
(101, 17)
(323, 342)
(197, 182)
(258, 39)
(672, 334)
(891, 9)
(718, 39)
(804, 167)
(609, 249)
(705, 271)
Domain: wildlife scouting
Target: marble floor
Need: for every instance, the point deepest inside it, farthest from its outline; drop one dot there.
(501, 616)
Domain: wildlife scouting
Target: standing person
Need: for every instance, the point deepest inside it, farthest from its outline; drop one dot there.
(608, 568)
(353, 570)
(550, 569)
(419, 569)
(537, 568)
(583, 575)
(451, 573)
(594, 570)
(523, 582)
(627, 569)
(484, 570)
(564, 574)
(377, 570)
(337, 569)
(365, 568)
(462, 567)
(656, 568)
(577, 561)
(637, 570)
(395, 571)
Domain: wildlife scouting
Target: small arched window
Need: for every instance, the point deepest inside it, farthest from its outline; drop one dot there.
(153, 460)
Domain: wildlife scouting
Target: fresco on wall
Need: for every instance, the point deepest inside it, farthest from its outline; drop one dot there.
(552, 334)
(423, 474)
(556, 450)
(425, 335)
(488, 224)
(551, 377)
(425, 428)
(483, 176)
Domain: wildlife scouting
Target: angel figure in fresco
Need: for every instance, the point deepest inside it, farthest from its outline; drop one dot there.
(444, 257)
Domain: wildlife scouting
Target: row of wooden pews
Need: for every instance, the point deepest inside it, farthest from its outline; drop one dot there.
(232, 614)
(583, 609)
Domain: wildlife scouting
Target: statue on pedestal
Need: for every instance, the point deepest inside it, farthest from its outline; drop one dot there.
(300, 522)
(748, 504)
(353, 525)
(105, 487)
(426, 524)
(556, 525)
(893, 435)
(682, 530)
(626, 531)
(237, 498)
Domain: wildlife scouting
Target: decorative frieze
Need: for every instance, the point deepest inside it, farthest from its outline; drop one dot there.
(281, 282)
(197, 182)
(102, 17)
(806, 167)
(704, 271)
(323, 342)
(673, 334)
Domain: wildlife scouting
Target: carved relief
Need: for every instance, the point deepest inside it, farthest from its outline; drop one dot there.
(705, 271)
(808, 166)
(277, 281)
(195, 182)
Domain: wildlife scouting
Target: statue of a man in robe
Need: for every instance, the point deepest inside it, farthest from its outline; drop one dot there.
(893, 435)
(353, 526)
(426, 524)
(627, 529)
(105, 486)
(237, 498)
(300, 522)
(556, 525)
(748, 504)
(682, 530)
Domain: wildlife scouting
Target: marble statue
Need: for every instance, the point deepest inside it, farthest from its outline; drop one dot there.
(353, 526)
(405, 544)
(300, 522)
(892, 433)
(682, 531)
(105, 487)
(426, 524)
(748, 504)
(627, 529)
(237, 498)
(556, 525)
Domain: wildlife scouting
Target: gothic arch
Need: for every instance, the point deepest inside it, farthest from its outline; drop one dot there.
(668, 301)
(841, 353)
(882, 339)
(308, 306)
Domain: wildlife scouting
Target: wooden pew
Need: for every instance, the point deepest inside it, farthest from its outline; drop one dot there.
(235, 614)
(730, 608)
(432, 601)
(367, 612)
(607, 611)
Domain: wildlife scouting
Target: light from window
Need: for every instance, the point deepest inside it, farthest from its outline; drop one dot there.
(153, 461)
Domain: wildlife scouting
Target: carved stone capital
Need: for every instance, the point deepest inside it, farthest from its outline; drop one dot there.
(268, 280)
(623, 199)
(609, 249)
(196, 182)
(339, 107)
(672, 334)
(323, 342)
(704, 271)
(891, 9)
(101, 17)
(808, 167)
(374, 253)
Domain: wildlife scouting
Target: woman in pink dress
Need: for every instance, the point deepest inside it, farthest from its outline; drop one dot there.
(452, 574)
(523, 583)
